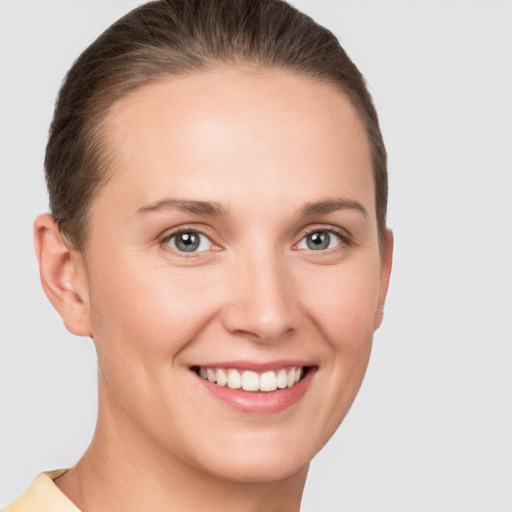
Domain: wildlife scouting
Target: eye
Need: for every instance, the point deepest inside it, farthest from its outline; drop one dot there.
(320, 240)
(189, 241)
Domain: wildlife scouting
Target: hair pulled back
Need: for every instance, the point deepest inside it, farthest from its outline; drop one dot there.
(175, 37)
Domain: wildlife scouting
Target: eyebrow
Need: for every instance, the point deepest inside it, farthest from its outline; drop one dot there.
(331, 205)
(188, 206)
(215, 209)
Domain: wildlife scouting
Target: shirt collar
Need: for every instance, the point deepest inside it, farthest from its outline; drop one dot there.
(44, 496)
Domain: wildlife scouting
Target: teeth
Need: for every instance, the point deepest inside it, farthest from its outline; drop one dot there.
(253, 381)
(282, 379)
(234, 379)
(268, 381)
(290, 379)
(250, 381)
(222, 378)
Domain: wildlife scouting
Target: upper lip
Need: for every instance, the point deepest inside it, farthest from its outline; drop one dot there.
(256, 366)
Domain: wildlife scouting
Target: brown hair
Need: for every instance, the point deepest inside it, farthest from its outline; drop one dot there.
(174, 37)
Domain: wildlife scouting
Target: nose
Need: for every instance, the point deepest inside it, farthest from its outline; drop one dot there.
(262, 305)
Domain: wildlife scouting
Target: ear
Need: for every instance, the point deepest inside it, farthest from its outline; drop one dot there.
(385, 273)
(63, 276)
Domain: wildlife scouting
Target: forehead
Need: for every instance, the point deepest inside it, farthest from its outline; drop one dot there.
(252, 130)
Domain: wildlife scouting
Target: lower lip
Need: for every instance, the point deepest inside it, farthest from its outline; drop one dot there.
(260, 402)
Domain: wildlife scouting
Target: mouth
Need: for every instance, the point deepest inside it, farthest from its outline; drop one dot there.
(253, 381)
(256, 387)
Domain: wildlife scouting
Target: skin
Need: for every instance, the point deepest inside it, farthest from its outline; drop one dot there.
(262, 146)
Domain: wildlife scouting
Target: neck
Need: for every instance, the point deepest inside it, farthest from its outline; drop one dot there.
(123, 469)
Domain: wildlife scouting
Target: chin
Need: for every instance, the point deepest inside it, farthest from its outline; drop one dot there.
(265, 457)
(262, 469)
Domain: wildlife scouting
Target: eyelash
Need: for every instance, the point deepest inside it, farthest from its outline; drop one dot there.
(165, 241)
(345, 240)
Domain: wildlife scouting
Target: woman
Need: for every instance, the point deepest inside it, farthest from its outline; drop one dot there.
(218, 189)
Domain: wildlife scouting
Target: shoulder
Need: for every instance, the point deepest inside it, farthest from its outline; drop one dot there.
(43, 496)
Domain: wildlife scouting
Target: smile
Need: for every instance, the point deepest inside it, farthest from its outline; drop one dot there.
(248, 380)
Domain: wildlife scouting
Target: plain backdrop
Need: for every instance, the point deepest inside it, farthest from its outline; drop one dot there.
(431, 430)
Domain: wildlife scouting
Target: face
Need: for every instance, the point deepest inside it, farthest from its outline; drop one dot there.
(235, 245)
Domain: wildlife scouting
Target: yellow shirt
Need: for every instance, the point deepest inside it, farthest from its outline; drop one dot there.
(43, 496)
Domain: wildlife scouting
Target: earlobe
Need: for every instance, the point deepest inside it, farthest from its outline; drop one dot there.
(379, 317)
(385, 273)
(62, 274)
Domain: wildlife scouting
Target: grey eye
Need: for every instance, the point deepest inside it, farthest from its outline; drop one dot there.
(320, 240)
(190, 241)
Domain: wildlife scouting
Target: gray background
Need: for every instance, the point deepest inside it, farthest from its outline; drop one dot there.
(432, 427)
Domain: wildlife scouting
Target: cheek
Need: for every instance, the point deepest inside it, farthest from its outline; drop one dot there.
(144, 318)
(341, 305)
(150, 312)
(343, 302)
